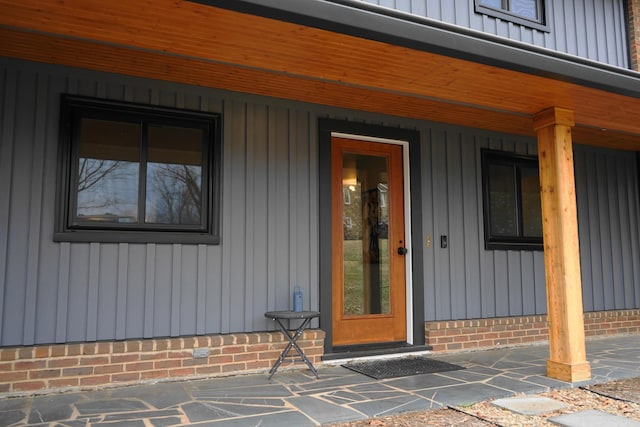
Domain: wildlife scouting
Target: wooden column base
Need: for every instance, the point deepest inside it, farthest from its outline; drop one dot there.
(569, 372)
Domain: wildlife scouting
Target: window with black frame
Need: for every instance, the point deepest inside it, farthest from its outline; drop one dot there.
(512, 210)
(134, 173)
(526, 12)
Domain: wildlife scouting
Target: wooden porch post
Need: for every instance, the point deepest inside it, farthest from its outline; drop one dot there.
(567, 360)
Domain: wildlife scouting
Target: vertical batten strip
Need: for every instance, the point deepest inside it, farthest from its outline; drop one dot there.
(201, 295)
(290, 143)
(176, 288)
(313, 234)
(9, 86)
(92, 296)
(64, 266)
(35, 210)
(121, 293)
(149, 290)
(250, 207)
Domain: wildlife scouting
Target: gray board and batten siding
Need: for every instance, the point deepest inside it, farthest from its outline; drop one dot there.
(589, 29)
(67, 292)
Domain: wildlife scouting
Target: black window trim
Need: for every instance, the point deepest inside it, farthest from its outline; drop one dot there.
(540, 24)
(74, 106)
(491, 242)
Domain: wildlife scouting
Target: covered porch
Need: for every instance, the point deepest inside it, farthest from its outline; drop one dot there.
(336, 55)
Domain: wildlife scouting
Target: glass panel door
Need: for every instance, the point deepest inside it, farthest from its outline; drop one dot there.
(366, 241)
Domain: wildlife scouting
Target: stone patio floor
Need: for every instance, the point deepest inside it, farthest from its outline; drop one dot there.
(296, 398)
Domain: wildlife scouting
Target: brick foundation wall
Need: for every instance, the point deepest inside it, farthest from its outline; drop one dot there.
(634, 33)
(28, 370)
(457, 335)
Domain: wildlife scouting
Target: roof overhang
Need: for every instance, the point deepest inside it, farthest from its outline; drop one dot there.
(331, 53)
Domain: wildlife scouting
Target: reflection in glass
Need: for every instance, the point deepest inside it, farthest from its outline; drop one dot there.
(174, 176)
(531, 212)
(365, 231)
(524, 8)
(107, 186)
(502, 197)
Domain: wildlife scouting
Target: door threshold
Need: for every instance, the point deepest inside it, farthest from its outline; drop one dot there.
(374, 351)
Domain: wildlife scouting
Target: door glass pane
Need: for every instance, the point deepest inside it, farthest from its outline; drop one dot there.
(365, 231)
(174, 176)
(502, 201)
(108, 167)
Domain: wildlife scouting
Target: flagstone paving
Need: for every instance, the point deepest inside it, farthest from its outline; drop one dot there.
(296, 398)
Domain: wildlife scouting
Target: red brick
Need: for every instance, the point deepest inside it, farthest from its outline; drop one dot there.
(95, 380)
(72, 372)
(64, 382)
(104, 348)
(217, 360)
(108, 369)
(6, 366)
(207, 370)
(14, 376)
(182, 372)
(63, 362)
(179, 354)
(154, 356)
(194, 362)
(258, 364)
(125, 377)
(245, 357)
(119, 347)
(42, 351)
(30, 365)
(134, 346)
(174, 363)
(89, 349)
(97, 360)
(124, 358)
(147, 345)
(25, 353)
(29, 385)
(46, 373)
(58, 350)
(234, 349)
(139, 366)
(154, 374)
(233, 367)
(8, 354)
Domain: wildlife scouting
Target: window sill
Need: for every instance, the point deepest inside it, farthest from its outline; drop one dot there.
(513, 246)
(110, 236)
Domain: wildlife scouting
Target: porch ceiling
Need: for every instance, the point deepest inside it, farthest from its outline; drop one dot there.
(181, 41)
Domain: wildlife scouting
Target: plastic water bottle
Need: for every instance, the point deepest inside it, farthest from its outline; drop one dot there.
(297, 299)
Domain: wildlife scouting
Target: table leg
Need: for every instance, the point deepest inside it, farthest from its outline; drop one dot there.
(292, 343)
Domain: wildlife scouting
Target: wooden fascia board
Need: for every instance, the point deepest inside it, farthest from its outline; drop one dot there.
(100, 57)
(294, 53)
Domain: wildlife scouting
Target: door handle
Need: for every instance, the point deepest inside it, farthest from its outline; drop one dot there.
(402, 250)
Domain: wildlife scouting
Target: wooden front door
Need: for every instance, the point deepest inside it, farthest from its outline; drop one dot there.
(368, 243)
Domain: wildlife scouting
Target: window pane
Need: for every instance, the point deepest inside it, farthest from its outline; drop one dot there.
(496, 4)
(531, 212)
(108, 167)
(174, 176)
(524, 8)
(502, 201)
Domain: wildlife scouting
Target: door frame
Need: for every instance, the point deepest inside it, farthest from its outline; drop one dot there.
(410, 141)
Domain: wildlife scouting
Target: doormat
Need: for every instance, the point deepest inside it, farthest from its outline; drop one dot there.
(404, 367)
